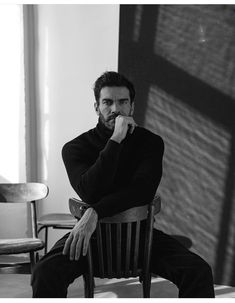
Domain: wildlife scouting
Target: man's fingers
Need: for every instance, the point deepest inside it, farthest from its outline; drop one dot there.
(78, 248)
(67, 244)
(73, 247)
(82, 230)
(132, 127)
(131, 124)
(85, 245)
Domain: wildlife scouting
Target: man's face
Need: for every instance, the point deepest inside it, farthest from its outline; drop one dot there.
(113, 100)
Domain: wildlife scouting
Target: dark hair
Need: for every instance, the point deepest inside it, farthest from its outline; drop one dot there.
(112, 79)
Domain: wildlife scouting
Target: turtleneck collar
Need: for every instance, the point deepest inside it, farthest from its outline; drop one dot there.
(103, 132)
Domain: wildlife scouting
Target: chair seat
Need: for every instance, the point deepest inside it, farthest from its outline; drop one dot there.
(57, 219)
(23, 245)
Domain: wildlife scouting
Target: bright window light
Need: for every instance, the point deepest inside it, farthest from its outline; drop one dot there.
(12, 122)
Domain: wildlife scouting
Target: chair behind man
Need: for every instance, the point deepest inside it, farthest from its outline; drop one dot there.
(119, 244)
(22, 193)
(55, 221)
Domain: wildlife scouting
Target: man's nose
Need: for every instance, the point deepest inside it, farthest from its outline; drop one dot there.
(115, 107)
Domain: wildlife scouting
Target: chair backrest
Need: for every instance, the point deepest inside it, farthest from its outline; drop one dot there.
(22, 193)
(122, 240)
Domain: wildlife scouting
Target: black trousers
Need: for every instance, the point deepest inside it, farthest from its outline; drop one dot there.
(170, 260)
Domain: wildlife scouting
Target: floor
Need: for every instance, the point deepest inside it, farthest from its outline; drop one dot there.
(18, 286)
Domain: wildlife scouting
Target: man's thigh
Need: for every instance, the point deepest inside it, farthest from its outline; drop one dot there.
(58, 266)
(170, 258)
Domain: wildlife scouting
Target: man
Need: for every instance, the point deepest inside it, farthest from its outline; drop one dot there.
(112, 167)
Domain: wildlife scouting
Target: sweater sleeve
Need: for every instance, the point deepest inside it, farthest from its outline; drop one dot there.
(142, 188)
(91, 182)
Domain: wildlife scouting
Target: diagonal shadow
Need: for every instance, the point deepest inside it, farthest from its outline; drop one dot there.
(138, 61)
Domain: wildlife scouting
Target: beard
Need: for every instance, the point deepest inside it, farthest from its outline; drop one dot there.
(107, 122)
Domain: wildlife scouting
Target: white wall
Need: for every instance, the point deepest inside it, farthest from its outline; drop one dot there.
(75, 44)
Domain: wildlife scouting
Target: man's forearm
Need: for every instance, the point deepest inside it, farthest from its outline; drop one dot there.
(93, 182)
(124, 199)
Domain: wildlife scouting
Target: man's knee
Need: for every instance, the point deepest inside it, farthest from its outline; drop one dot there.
(205, 269)
(45, 281)
(40, 272)
(200, 269)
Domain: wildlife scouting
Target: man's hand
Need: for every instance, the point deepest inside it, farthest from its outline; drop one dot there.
(122, 125)
(80, 235)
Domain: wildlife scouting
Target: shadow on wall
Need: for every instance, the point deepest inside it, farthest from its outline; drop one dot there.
(180, 58)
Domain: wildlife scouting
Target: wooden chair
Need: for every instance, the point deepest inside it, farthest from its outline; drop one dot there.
(55, 221)
(120, 235)
(22, 193)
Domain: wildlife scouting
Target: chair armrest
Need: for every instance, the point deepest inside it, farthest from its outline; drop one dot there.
(77, 207)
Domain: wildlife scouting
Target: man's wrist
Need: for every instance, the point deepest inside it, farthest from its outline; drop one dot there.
(116, 139)
(93, 213)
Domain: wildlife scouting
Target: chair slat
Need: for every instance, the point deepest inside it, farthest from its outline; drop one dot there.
(109, 249)
(136, 251)
(100, 249)
(22, 192)
(128, 249)
(119, 232)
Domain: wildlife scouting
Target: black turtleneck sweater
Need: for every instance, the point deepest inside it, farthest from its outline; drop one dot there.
(113, 177)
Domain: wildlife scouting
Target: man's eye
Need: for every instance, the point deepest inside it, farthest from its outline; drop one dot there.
(107, 102)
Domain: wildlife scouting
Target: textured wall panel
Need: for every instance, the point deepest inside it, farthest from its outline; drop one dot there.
(200, 40)
(181, 59)
(195, 167)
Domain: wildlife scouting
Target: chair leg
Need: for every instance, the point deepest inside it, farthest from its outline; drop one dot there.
(89, 281)
(46, 239)
(146, 284)
(88, 286)
(37, 256)
(32, 260)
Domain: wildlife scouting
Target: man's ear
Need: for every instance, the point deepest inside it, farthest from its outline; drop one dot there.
(132, 108)
(96, 106)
